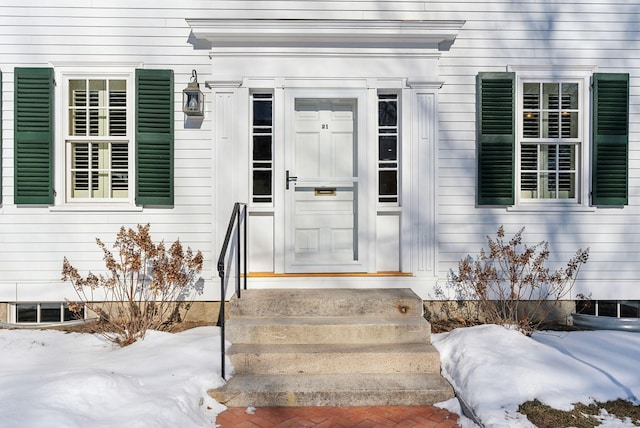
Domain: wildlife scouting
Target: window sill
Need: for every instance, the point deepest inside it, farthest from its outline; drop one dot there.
(97, 207)
(42, 325)
(545, 208)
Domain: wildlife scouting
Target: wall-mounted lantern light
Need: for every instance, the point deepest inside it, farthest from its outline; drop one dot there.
(193, 98)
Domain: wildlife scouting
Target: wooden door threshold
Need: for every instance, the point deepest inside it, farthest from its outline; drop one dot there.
(327, 274)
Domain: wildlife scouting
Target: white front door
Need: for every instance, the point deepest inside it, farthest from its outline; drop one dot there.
(322, 224)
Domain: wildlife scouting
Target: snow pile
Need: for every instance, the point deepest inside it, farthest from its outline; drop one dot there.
(494, 369)
(51, 378)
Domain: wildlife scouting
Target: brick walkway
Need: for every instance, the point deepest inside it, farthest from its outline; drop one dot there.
(338, 417)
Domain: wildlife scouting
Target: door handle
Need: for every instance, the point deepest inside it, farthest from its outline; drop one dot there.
(289, 178)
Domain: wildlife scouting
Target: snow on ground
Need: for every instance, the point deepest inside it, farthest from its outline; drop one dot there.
(56, 379)
(494, 369)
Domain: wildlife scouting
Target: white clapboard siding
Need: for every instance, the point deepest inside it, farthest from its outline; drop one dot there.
(500, 34)
(155, 34)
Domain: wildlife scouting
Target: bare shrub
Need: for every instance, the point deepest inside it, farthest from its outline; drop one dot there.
(511, 283)
(145, 288)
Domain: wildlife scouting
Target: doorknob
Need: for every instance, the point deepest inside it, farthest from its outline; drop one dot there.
(289, 178)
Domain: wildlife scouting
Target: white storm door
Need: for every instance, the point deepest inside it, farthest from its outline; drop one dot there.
(322, 187)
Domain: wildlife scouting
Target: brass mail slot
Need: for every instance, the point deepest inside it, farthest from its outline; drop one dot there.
(325, 191)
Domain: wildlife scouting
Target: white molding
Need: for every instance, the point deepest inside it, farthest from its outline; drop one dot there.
(418, 83)
(226, 83)
(92, 66)
(96, 207)
(329, 32)
(321, 52)
(546, 69)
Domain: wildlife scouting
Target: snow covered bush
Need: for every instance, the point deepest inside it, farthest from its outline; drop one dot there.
(511, 284)
(144, 288)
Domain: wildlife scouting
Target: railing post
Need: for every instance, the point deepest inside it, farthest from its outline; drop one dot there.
(222, 341)
(246, 248)
(238, 230)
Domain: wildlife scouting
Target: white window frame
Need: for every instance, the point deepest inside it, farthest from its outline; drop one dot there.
(63, 156)
(13, 313)
(583, 140)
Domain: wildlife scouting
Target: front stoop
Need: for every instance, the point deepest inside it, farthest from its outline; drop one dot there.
(331, 347)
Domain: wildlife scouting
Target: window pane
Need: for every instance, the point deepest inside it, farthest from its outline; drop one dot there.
(387, 147)
(547, 185)
(119, 170)
(529, 157)
(26, 312)
(630, 309)
(587, 307)
(550, 124)
(569, 124)
(80, 170)
(97, 90)
(388, 182)
(77, 93)
(262, 183)
(566, 157)
(118, 123)
(570, 96)
(529, 185)
(117, 107)
(550, 96)
(80, 156)
(607, 308)
(70, 315)
(50, 312)
(531, 125)
(388, 113)
(566, 186)
(119, 156)
(531, 96)
(262, 148)
(262, 112)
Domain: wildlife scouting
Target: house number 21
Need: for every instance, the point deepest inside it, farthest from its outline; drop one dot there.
(325, 126)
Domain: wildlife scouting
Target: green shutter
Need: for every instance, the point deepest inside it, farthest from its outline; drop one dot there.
(154, 137)
(33, 136)
(496, 138)
(610, 182)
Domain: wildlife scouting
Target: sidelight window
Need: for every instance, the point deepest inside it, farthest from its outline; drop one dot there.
(262, 147)
(388, 118)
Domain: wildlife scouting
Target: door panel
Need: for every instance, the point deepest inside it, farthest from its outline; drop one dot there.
(324, 224)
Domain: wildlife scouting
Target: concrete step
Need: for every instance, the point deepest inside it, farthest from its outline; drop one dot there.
(244, 390)
(334, 358)
(325, 330)
(326, 303)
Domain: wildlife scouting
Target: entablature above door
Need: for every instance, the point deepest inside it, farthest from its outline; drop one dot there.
(324, 33)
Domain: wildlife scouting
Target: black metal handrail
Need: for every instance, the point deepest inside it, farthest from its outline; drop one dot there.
(238, 217)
